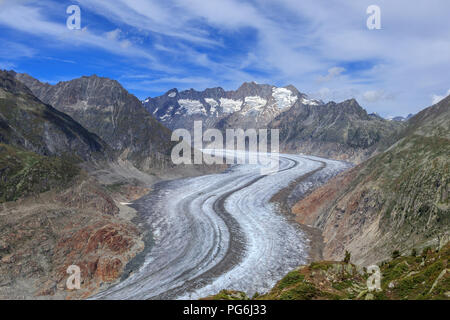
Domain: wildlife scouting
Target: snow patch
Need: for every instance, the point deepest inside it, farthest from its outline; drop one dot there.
(212, 102)
(172, 94)
(253, 104)
(311, 102)
(285, 98)
(192, 106)
(230, 105)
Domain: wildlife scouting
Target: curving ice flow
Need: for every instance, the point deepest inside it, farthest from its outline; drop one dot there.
(219, 232)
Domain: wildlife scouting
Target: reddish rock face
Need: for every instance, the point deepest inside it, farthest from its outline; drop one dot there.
(100, 250)
(308, 210)
(109, 269)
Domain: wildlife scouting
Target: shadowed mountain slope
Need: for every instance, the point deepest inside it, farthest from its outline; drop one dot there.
(27, 122)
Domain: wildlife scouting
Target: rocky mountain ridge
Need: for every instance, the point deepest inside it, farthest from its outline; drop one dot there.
(52, 212)
(342, 131)
(252, 105)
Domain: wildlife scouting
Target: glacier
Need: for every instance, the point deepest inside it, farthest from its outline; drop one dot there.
(219, 231)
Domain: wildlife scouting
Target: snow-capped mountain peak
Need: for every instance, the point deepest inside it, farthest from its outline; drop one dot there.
(251, 105)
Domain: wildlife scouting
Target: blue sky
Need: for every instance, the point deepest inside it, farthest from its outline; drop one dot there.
(324, 48)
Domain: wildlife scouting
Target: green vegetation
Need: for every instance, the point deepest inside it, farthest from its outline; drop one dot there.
(25, 173)
(291, 278)
(416, 278)
(347, 257)
(229, 295)
(115, 187)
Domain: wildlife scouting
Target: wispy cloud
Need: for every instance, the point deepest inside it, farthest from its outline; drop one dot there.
(31, 20)
(372, 96)
(332, 74)
(322, 47)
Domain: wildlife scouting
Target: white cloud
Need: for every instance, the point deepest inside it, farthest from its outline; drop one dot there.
(372, 96)
(5, 65)
(332, 73)
(327, 94)
(125, 44)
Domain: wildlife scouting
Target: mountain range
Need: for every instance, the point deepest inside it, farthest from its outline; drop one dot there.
(336, 130)
(252, 105)
(342, 131)
(400, 118)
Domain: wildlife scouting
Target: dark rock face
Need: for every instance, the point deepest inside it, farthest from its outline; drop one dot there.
(104, 107)
(251, 106)
(336, 130)
(27, 122)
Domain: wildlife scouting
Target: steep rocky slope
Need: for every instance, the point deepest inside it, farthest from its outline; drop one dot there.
(27, 122)
(252, 105)
(104, 107)
(342, 131)
(396, 200)
(411, 277)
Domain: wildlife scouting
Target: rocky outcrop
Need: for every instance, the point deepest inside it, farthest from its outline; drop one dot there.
(396, 200)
